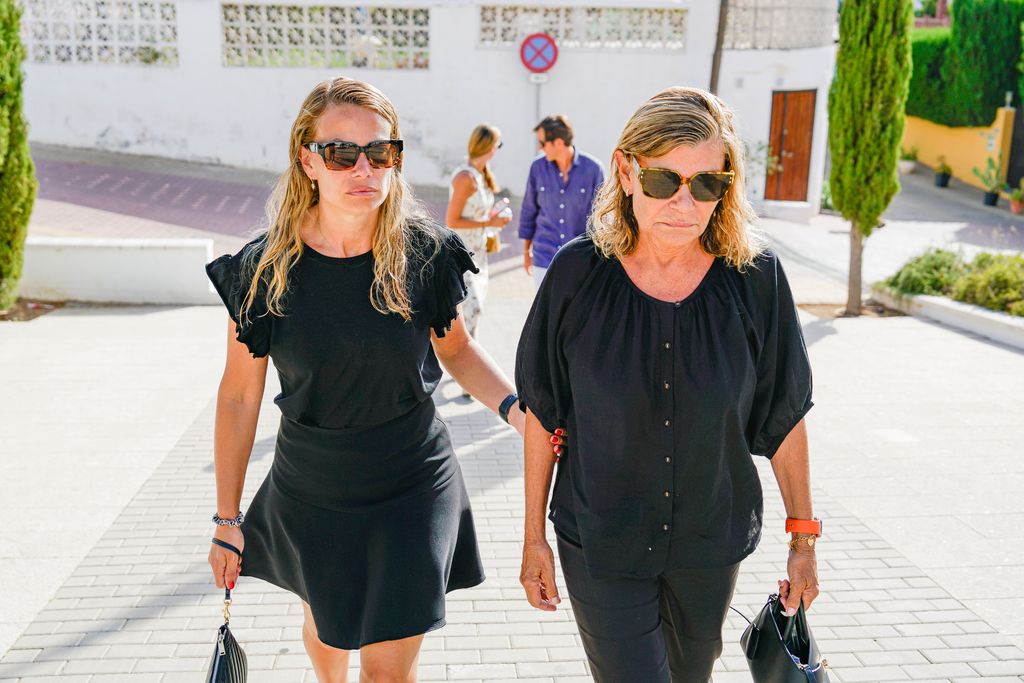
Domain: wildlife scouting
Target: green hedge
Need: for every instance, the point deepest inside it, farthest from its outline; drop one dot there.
(927, 98)
(994, 281)
(982, 59)
(961, 75)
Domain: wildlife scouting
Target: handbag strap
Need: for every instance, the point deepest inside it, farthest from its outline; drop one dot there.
(226, 546)
(745, 618)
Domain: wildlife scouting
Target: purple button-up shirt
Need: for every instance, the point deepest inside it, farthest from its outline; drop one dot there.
(553, 211)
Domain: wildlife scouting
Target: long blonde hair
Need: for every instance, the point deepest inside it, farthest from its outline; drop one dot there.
(394, 237)
(481, 141)
(679, 116)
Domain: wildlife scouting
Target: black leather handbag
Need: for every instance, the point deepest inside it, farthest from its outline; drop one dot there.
(781, 649)
(228, 664)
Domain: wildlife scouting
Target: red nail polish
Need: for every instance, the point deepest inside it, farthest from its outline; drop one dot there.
(559, 431)
(554, 439)
(231, 586)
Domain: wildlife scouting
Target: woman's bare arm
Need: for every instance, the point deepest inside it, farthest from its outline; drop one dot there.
(238, 409)
(463, 188)
(475, 371)
(538, 569)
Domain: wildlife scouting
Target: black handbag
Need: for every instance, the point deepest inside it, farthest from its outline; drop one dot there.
(781, 649)
(228, 664)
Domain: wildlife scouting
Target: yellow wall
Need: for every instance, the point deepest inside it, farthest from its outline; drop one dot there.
(964, 148)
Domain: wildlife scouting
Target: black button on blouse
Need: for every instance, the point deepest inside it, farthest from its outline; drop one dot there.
(664, 404)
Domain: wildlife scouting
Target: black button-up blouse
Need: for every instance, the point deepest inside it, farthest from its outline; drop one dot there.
(664, 404)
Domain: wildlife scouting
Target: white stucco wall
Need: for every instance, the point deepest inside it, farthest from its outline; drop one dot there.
(748, 79)
(201, 110)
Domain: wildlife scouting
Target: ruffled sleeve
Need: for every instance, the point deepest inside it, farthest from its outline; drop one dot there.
(445, 286)
(256, 328)
(783, 393)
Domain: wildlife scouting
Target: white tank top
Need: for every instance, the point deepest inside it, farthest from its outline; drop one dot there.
(478, 206)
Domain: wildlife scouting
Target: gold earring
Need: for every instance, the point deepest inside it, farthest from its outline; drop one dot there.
(312, 184)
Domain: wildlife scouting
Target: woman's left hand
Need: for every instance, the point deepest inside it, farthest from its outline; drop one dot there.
(517, 418)
(802, 583)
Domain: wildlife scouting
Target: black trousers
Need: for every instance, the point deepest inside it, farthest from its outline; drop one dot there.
(662, 630)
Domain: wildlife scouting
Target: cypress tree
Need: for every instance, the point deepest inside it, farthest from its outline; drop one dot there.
(866, 116)
(17, 173)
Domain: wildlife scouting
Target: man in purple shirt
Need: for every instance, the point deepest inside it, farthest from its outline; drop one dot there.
(559, 195)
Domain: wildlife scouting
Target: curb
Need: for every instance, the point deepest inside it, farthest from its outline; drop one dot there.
(117, 270)
(1000, 327)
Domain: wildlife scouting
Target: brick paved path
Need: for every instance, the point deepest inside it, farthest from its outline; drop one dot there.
(140, 608)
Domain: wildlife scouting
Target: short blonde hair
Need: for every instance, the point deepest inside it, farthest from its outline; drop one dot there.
(677, 117)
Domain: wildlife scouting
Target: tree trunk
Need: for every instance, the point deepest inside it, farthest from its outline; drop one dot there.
(716, 58)
(853, 296)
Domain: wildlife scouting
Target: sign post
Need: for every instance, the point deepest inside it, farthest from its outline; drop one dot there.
(538, 52)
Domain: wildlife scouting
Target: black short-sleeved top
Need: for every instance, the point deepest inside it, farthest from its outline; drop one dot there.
(664, 404)
(342, 363)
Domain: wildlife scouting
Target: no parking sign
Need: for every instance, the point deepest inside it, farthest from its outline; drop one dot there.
(538, 52)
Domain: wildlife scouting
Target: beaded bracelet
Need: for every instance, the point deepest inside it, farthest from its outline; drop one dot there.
(221, 521)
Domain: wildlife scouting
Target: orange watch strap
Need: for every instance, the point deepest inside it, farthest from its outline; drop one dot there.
(803, 526)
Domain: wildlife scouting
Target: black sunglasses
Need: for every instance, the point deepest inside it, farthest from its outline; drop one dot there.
(662, 183)
(341, 156)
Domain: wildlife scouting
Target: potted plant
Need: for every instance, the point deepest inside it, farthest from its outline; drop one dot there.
(1017, 199)
(908, 160)
(990, 181)
(943, 172)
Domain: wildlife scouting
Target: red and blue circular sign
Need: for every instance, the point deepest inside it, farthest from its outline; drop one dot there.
(538, 52)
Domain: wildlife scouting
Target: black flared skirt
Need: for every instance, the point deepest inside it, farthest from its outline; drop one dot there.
(370, 526)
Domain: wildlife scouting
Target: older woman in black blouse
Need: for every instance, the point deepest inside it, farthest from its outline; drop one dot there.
(667, 342)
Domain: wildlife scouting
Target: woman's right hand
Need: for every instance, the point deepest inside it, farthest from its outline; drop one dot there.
(498, 221)
(225, 564)
(538, 575)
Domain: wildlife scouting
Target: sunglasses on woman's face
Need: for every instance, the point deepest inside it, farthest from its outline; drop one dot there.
(662, 183)
(342, 156)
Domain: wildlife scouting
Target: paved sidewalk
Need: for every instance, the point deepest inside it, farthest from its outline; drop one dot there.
(915, 443)
(140, 607)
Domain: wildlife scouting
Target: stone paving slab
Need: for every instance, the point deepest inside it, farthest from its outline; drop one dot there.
(140, 607)
(915, 456)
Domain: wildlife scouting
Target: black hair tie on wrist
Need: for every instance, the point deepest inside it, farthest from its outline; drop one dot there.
(506, 406)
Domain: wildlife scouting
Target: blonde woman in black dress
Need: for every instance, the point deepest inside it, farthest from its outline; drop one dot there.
(364, 514)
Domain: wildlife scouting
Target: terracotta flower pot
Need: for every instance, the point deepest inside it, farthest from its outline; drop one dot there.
(1017, 206)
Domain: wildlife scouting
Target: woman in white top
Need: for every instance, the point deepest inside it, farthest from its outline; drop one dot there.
(472, 210)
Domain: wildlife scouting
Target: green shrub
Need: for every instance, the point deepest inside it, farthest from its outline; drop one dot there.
(995, 281)
(826, 195)
(17, 176)
(933, 272)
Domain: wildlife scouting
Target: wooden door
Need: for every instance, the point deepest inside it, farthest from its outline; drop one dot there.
(789, 144)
